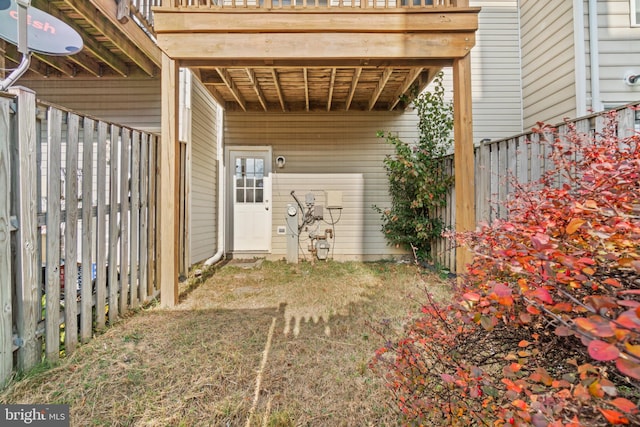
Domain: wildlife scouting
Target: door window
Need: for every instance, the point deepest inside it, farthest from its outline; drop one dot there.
(249, 180)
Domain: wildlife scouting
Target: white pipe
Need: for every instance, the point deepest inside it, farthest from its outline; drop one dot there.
(596, 104)
(221, 186)
(17, 73)
(580, 54)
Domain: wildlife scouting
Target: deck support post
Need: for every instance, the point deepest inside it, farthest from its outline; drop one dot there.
(463, 156)
(169, 190)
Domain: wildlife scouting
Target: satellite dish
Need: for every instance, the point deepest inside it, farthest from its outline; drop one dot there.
(46, 34)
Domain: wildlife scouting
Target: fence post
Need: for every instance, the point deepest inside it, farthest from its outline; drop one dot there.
(27, 301)
(6, 321)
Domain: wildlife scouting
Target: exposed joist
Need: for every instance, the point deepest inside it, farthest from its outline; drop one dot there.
(91, 47)
(354, 85)
(404, 87)
(305, 74)
(215, 93)
(231, 85)
(131, 30)
(276, 82)
(380, 87)
(331, 86)
(256, 87)
(36, 66)
(96, 19)
(59, 63)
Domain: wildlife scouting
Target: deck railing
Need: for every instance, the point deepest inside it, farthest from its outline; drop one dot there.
(77, 228)
(521, 157)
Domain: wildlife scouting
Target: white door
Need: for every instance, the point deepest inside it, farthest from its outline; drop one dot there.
(251, 200)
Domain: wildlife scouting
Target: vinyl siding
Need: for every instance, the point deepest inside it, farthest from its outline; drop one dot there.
(548, 61)
(129, 102)
(619, 46)
(495, 65)
(330, 143)
(203, 174)
(495, 71)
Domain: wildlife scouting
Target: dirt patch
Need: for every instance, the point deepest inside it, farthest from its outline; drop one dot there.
(274, 345)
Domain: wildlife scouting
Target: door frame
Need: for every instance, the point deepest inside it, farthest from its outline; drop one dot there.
(229, 174)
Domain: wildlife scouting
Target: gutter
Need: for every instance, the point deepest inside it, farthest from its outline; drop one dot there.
(594, 54)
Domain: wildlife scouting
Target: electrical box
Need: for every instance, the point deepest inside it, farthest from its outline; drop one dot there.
(333, 199)
(318, 212)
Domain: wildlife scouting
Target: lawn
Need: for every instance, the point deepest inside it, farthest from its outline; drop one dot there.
(270, 345)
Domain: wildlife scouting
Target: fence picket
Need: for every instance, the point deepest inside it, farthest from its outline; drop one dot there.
(135, 218)
(144, 218)
(71, 236)
(6, 320)
(101, 229)
(114, 229)
(52, 284)
(87, 230)
(124, 220)
(153, 230)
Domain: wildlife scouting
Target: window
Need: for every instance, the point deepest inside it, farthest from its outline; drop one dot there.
(635, 13)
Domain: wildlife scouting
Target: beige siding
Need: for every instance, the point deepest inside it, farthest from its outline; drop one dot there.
(130, 102)
(548, 60)
(204, 170)
(346, 224)
(330, 143)
(619, 52)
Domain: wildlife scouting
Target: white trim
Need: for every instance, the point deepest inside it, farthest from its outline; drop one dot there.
(635, 13)
(594, 53)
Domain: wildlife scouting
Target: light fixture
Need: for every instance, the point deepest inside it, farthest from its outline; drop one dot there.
(632, 78)
(280, 161)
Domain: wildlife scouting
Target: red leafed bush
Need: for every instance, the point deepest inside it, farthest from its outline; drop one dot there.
(544, 329)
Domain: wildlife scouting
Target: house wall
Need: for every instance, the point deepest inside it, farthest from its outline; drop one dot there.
(495, 71)
(619, 46)
(548, 61)
(203, 173)
(130, 102)
(330, 143)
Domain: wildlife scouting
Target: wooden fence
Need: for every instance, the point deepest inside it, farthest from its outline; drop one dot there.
(522, 157)
(77, 227)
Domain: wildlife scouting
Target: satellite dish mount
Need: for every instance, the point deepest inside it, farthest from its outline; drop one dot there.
(23, 47)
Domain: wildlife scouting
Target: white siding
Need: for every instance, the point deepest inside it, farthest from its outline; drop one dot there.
(619, 45)
(204, 172)
(548, 61)
(495, 65)
(348, 228)
(331, 143)
(130, 102)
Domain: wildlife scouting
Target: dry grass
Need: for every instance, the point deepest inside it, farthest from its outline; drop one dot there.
(276, 345)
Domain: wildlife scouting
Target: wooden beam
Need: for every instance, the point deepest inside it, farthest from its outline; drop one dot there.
(276, 82)
(354, 85)
(131, 30)
(338, 47)
(82, 58)
(380, 87)
(97, 20)
(332, 21)
(463, 156)
(305, 74)
(226, 77)
(3, 67)
(331, 86)
(58, 63)
(404, 87)
(6, 258)
(169, 190)
(296, 63)
(256, 87)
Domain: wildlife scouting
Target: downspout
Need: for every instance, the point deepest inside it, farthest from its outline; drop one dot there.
(580, 58)
(221, 212)
(596, 104)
